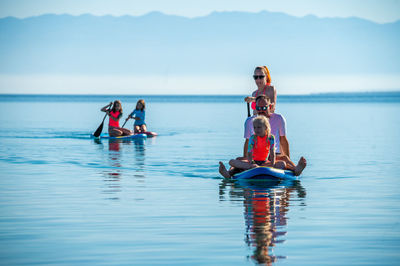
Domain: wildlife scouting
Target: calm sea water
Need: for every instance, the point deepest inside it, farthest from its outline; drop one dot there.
(67, 199)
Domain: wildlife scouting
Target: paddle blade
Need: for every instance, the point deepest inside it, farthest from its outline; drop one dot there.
(99, 130)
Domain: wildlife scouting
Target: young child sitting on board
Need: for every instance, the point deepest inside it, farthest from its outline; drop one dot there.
(261, 150)
(139, 114)
(114, 130)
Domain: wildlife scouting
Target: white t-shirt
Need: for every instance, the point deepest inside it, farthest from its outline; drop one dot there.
(278, 128)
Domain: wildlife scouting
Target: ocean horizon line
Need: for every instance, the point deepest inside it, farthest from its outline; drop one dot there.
(367, 96)
(394, 92)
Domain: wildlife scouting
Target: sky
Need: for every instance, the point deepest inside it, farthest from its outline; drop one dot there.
(380, 11)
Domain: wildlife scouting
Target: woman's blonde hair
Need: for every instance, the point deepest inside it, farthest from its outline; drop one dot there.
(265, 70)
(260, 119)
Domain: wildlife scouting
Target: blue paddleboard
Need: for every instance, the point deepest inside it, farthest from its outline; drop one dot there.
(150, 134)
(106, 136)
(265, 173)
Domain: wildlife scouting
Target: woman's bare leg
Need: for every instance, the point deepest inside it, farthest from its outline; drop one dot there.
(126, 132)
(114, 132)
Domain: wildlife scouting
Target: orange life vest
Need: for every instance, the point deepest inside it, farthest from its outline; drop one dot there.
(261, 148)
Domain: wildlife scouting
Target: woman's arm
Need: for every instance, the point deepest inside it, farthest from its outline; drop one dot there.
(134, 116)
(273, 99)
(249, 99)
(104, 109)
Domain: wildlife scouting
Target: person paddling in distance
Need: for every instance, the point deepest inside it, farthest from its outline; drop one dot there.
(262, 79)
(115, 113)
(139, 115)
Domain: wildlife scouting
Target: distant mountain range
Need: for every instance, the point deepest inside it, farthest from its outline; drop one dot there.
(220, 43)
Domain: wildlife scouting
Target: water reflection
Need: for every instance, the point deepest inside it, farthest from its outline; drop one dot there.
(266, 205)
(139, 158)
(116, 166)
(113, 175)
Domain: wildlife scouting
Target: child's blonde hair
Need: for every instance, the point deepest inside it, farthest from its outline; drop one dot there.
(260, 119)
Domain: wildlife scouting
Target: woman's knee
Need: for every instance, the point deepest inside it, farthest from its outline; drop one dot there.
(115, 133)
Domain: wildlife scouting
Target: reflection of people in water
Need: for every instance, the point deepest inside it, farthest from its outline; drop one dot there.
(113, 145)
(112, 173)
(265, 216)
(115, 162)
(140, 155)
(264, 212)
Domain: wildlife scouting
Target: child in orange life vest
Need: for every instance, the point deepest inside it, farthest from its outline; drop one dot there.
(114, 130)
(261, 151)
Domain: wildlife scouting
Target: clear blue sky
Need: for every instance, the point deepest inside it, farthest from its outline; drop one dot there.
(381, 11)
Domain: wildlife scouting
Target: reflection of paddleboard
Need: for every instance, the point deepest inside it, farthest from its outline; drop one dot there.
(106, 136)
(265, 173)
(150, 134)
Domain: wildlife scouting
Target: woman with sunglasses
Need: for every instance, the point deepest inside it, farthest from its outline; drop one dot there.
(263, 81)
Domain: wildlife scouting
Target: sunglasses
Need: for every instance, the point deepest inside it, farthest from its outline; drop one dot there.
(262, 108)
(258, 77)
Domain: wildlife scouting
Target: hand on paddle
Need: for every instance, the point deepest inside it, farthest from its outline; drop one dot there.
(100, 128)
(249, 99)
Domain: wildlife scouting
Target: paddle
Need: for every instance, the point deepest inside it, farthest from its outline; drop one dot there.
(124, 123)
(248, 110)
(100, 128)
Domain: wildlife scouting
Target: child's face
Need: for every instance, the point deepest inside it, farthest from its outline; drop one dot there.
(139, 105)
(260, 129)
(117, 106)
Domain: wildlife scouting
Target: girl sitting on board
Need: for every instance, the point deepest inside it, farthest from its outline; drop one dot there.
(262, 79)
(261, 150)
(113, 124)
(139, 115)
